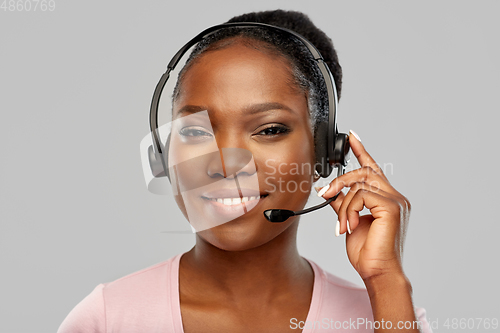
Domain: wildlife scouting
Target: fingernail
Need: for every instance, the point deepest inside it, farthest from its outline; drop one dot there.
(337, 229)
(317, 188)
(348, 227)
(355, 135)
(323, 190)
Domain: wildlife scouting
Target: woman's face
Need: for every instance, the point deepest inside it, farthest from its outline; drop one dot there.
(252, 104)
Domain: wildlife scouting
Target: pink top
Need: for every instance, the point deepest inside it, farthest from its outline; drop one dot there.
(148, 301)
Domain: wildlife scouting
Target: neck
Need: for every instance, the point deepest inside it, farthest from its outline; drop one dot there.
(267, 270)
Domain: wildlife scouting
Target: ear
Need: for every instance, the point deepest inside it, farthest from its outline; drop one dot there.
(317, 176)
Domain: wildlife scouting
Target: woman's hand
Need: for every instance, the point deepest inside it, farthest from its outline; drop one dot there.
(375, 244)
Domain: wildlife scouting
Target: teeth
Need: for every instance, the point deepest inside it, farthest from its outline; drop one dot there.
(234, 201)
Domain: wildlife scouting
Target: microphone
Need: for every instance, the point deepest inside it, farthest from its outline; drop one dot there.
(281, 215)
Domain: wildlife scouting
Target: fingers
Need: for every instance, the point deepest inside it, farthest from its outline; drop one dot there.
(361, 195)
(380, 203)
(370, 172)
(363, 175)
(365, 159)
(337, 202)
(369, 188)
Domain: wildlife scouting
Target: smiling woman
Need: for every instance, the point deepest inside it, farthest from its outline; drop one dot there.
(247, 105)
(247, 95)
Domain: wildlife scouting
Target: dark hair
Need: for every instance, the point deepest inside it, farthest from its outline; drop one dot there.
(305, 71)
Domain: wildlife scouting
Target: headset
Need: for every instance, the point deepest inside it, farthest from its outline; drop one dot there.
(331, 147)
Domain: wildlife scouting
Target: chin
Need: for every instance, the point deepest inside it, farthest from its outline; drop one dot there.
(242, 234)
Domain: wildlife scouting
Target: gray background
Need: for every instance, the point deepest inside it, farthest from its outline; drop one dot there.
(420, 86)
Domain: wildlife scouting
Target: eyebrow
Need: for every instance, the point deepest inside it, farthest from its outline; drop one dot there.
(264, 107)
(190, 109)
(252, 109)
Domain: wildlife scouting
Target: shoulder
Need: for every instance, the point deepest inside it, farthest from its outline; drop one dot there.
(335, 283)
(341, 301)
(86, 316)
(339, 298)
(142, 284)
(127, 301)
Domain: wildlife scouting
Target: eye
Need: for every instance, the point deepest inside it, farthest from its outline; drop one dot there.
(194, 133)
(274, 130)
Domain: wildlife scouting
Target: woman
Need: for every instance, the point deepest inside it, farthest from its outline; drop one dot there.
(262, 94)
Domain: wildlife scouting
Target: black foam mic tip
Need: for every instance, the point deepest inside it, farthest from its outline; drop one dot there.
(278, 215)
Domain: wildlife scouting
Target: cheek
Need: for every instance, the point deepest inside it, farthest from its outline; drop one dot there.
(191, 173)
(187, 173)
(289, 168)
(189, 163)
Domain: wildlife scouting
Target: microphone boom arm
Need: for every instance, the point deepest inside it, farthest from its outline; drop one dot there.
(281, 215)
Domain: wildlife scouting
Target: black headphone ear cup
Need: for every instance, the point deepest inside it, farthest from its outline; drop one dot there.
(158, 167)
(341, 149)
(155, 163)
(321, 149)
(165, 154)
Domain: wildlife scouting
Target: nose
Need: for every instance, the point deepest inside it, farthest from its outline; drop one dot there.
(231, 162)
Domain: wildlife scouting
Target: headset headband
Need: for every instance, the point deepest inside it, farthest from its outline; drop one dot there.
(332, 153)
(327, 75)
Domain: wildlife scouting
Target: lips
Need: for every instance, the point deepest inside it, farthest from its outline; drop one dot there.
(233, 196)
(234, 201)
(225, 205)
(232, 193)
